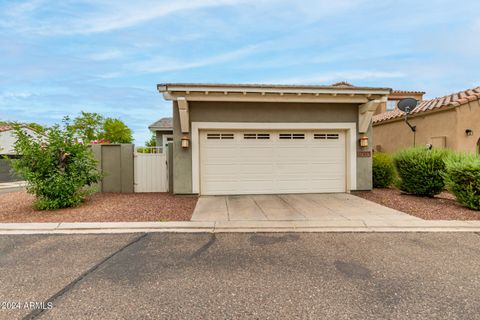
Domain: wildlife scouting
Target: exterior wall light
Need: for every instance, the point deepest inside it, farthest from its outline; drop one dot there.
(469, 132)
(364, 141)
(185, 142)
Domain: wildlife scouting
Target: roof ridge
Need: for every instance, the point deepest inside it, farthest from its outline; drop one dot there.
(457, 93)
(453, 99)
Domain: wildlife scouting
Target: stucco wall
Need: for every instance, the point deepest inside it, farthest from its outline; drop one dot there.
(259, 112)
(468, 117)
(393, 136)
(116, 163)
(159, 135)
(364, 165)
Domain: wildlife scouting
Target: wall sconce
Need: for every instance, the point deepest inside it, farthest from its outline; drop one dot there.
(364, 141)
(469, 132)
(185, 141)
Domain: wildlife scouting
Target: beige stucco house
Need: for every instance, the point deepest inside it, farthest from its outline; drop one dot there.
(452, 121)
(261, 139)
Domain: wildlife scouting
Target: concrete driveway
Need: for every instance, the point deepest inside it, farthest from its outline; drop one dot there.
(293, 207)
(242, 276)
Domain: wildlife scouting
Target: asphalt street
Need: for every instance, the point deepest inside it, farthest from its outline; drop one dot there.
(241, 276)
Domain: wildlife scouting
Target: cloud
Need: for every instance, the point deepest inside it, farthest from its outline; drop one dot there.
(107, 55)
(65, 18)
(8, 98)
(168, 64)
(96, 16)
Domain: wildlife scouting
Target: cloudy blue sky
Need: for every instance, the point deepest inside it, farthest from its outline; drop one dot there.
(60, 57)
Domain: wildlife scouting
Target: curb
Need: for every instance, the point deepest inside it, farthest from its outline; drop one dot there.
(239, 226)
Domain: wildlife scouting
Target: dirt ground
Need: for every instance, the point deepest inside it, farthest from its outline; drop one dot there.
(441, 207)
(101, 207)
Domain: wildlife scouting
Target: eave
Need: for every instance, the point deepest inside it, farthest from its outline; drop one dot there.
(271, 93)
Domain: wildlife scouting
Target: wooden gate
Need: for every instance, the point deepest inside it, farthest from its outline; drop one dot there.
(151, 173)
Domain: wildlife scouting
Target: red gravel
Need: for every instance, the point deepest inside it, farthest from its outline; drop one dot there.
(101, 207)
(441, 207)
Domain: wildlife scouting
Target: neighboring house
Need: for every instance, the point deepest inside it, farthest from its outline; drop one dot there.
(395, 97)
(452, 121)
(264, 139)
(8, 139)
(7, 143)
(163, 130)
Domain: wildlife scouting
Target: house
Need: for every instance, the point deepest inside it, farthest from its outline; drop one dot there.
(267, 139)
(163, 130)
(7, 143)
(397, 95)
(8, 139)
(452, 121)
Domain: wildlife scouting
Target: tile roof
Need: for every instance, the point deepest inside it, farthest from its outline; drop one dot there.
(5, 127)
(408, 91)
(452, 100)
(162, 124)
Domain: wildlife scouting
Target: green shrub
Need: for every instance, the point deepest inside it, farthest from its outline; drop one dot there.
(420, 170)
(59, 171)
(383, 170)
(462, 178)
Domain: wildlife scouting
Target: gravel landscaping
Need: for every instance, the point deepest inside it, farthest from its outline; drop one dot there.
(441, 207)
(101, 207)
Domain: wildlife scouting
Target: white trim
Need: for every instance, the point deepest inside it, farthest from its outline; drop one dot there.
(249, 89)
(350, 127)
(269, 97)
(165, 140)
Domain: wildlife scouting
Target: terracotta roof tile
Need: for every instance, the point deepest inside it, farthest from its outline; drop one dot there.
(454, 99)
(5, 127)
(408, 91)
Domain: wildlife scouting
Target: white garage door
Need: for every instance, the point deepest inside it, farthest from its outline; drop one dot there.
(263, 162)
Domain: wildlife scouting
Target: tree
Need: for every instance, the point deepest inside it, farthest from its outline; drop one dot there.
(152, 142)
(59, 171)
(116, 131)
(88, 126)
(36, 127)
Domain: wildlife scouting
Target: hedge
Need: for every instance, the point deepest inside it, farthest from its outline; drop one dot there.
(421, 170)
(462, 178)
(383, 170)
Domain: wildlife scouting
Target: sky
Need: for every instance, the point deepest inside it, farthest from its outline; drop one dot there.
(58, 58)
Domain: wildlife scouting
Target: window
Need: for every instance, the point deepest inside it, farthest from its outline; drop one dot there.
(223, 136)
(391, 104)
(285, 136)
(326, 136)
(260, 136)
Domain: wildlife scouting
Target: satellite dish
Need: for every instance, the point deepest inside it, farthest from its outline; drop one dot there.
(407, 105)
